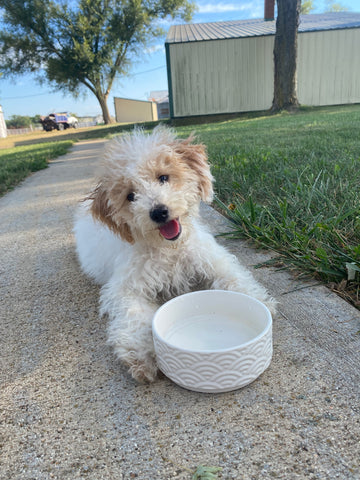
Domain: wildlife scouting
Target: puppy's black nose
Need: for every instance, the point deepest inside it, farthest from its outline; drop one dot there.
(159, 214)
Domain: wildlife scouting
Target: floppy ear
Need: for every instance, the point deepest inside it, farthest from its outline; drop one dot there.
(196, 158)
(101, 210)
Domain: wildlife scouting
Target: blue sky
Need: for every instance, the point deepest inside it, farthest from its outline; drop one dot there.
(24, 96)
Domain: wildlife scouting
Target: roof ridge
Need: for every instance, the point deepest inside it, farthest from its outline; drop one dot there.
(258, 27)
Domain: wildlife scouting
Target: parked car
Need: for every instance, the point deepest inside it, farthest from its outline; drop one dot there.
(58, 121)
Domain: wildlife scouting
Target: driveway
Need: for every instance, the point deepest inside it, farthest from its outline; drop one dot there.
(68, 409)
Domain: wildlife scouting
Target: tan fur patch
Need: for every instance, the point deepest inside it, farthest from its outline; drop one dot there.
(196, 158)
(101, 210)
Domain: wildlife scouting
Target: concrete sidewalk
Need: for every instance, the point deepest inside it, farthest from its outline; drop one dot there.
(69, 411)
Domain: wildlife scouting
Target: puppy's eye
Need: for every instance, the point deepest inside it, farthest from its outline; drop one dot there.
(131, 197)
(163, 178)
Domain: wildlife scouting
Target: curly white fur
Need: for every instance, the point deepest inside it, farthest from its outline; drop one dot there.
(142, 260)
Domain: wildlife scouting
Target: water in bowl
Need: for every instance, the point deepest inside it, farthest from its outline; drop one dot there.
(210, 332)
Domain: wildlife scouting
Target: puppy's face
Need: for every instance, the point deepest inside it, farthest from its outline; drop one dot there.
(150, 185)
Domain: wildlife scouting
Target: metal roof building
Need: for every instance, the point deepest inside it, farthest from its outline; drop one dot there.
(227, 67)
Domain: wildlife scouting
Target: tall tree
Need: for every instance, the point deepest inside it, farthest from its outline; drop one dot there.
(307, 6)
(335, 6)
(285, 55)
(74, 44)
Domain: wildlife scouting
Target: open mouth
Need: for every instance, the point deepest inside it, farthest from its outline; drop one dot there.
(171, 230)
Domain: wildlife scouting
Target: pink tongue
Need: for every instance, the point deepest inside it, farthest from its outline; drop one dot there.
(170, 230)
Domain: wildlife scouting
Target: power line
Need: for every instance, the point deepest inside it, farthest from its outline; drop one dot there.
(148, 71)
(49, 93)
(25, 96)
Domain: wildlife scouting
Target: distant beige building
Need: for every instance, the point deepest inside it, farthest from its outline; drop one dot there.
(3, 130)
(228, 67)
(161, 98)
(133, 111)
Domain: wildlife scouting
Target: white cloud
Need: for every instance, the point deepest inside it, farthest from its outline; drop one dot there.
(224, 7)
(154, 49)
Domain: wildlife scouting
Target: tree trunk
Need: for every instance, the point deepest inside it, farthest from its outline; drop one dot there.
(285, 56)
(104, 108)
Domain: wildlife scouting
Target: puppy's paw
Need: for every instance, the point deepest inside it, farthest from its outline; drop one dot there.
(143, 372)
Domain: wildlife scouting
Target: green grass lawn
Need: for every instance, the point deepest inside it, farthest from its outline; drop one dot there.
(18, 162)
(292, 183)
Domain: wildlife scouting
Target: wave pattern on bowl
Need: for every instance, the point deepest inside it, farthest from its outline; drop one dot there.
(205, 372)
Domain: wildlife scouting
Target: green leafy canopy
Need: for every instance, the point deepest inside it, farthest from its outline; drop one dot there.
(72, 44)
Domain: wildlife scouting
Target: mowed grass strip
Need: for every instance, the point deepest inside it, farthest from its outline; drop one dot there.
(17, 163)
(292, 183)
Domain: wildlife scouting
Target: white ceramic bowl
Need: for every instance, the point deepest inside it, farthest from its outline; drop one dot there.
(213, 340)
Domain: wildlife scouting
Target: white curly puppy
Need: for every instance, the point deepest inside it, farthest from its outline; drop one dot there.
(138, 235)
